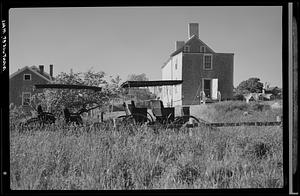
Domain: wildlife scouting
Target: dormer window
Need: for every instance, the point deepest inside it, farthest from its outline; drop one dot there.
(186, 49)
(27, 76)
(207, 62)
(202, 48)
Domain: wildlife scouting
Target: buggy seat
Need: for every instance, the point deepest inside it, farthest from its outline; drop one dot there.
(161, 113)
(139, 114)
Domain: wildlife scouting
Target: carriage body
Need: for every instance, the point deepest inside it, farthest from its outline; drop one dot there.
(160, 114)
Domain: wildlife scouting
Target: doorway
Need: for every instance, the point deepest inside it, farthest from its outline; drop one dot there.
(207, 87)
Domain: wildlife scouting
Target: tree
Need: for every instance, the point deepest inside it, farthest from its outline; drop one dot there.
(252, 85)
(140, 94)
(138, 77)
(75, 99)
(115, 86)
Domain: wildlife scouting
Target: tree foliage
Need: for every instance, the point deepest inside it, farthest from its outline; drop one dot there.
(252, 85)
(138, 77)
(76, 100)
(139, 93)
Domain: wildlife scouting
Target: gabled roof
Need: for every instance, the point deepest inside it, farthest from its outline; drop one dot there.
(189, 41)
(34, 70)
(44, 73)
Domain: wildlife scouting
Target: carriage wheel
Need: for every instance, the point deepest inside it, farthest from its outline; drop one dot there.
(130, 122)
(49, 120)
(32, 123)
(185, 121)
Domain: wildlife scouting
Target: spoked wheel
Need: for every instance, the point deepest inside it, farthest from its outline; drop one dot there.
(49, 120)
(136, 119)
(32, 123)
(185, 121)
(132, 121)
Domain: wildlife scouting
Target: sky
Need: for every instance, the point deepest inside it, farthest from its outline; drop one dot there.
(134, 40)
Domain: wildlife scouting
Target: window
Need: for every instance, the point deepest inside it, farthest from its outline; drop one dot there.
(176, 66)
(207, 61)
(202, 48)
(26, 98)
(186, 49)
(27, 76)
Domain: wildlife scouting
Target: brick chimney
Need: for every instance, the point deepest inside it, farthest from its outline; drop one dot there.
(41, 69)
(51, 70)
(193, 29)
(179, 44)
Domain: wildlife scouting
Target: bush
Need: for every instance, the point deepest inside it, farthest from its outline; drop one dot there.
(238, 97)
(260, 107)
(229, 106)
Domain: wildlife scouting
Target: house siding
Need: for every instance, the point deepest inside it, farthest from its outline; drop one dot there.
(193, 73)
(172, 95)
(17, 85)
(190, 70)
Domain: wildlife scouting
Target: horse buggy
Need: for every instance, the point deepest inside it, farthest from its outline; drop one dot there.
(153, 112)
(44, 117)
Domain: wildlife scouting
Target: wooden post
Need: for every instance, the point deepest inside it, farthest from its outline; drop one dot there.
(295, 159)
(102, 114)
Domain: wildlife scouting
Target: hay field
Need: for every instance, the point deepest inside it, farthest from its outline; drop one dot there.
(61, 157)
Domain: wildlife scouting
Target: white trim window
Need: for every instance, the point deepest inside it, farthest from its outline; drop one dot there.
(207, 61)
(26, 98)
(186, 48)
(27, 77)
(202, 49)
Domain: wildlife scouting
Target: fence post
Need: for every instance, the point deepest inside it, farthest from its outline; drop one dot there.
(102, 114)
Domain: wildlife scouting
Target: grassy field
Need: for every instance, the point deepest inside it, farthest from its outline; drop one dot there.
(101, 158)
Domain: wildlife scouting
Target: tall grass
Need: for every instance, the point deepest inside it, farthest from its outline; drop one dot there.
(100, 158)
(237, 111)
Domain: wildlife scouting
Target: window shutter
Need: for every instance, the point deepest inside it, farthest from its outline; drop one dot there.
(214, 88)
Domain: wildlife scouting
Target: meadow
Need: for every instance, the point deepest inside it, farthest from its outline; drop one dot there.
(60, 157)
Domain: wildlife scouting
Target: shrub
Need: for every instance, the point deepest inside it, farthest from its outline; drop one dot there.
(229, 106)
(238, 97)
(260, 107)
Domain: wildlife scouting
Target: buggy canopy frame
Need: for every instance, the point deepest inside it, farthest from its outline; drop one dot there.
(129, 84)
(67, 86)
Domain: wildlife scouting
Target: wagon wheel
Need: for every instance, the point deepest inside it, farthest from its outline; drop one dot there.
(32, 123)
(130, 122)
(185, 121)
(49, 119)
(131, 119)
(150, 118)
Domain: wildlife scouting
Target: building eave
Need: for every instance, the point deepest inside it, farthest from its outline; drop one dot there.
(166, 62)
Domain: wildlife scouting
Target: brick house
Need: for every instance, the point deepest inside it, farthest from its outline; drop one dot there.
(21, 83)
(201, 69)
